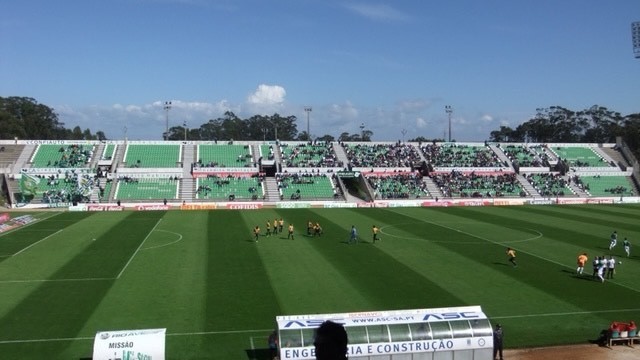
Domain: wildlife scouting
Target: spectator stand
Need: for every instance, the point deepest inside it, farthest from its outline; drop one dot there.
(316, 154)
(153, 154)
(608, 184)
(397, 185)
(474, 184)
(550, 184)
(138, 187)
(445, 156)
(230, 186)
(62, 156)
(307, 186)
(56, 187)
(224, 156)
(582, 157)
(382, 155)
(527, 156)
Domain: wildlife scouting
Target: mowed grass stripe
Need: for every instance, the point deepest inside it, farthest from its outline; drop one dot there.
(380, 279)
(611, 222)
(60, 309)
(534, 275)
(16, 240)
(239, 295)
(43, 258)
(164, 286)
(306, 272)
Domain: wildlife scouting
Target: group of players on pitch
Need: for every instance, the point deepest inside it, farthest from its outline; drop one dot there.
(313, 229)
(273, 228)
(602, 266)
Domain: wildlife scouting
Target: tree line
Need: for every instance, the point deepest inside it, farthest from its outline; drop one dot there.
(25, 118)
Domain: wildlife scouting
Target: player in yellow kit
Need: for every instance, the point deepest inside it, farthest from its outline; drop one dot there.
(512, 256)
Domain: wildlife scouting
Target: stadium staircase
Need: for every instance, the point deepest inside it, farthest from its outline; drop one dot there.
(526, 186)
(97, 154)
(255, 153)
(432, 188)
(340, 154)
(577, 190)
(187, 184)
(271, 189)
(23, 159)
(505, 160)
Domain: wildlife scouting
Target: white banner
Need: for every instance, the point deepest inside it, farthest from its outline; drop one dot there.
(129, 345)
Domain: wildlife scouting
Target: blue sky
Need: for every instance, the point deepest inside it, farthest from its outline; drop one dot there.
(390, 65)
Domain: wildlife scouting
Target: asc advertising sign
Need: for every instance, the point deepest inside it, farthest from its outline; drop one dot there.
(130, 345)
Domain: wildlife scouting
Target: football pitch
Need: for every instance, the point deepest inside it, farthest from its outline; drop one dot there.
(200, 275)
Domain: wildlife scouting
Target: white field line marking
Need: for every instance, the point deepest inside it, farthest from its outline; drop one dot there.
(200, 333)
(167, 244)
(565, 313)
(138, 249)
(37, 242)
(528, 253)
(52, 280)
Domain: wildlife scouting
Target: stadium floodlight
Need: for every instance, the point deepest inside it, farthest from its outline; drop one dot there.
(167, 107)
(308, 109)
(635, 38)
(448, 109)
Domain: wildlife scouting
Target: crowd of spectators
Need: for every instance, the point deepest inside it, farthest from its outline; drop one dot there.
(526, 156)
(72, 156)
(314, 185)
(230, 187)
(311, 154)
(454, 155)
(549, 184)
(459, 184)
(398, 186)
(383, 155)
(73, 187)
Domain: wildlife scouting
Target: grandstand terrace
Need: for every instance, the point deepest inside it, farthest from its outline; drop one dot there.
(61, 156)
(152, 171)
(233, 188)
(463, 155)
(525, 155)
(309, 155)
(479, 185)
(153, 155)
(382, 155)
(146, 188)
(306, 186)
(224, 156)
(398, 186)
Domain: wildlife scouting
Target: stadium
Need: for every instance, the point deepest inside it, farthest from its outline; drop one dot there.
(156, 238)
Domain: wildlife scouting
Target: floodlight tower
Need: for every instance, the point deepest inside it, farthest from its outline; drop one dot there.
(308, 109)
(635, 38)
(167, 107)
(448, 109)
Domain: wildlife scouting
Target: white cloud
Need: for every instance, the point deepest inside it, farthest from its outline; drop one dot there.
(377, 12)
(267, 95)
(486, 118)
(421, 123)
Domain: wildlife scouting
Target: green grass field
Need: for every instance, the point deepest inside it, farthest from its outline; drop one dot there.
(200, 275)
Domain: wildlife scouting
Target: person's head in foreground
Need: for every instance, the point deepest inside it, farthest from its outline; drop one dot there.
(331, 341)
